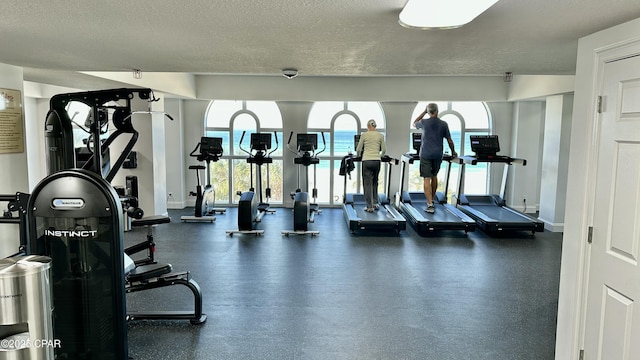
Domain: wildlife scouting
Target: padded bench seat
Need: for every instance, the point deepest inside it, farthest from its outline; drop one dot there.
(150, 271)
(151, 220)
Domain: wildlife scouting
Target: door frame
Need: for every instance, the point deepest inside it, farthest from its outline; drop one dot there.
(594, 51)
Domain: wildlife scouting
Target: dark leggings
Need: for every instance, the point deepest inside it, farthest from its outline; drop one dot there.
(370, 172)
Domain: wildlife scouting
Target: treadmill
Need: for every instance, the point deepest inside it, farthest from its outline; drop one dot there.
(386, 217)
(490, 212)
(412, 204)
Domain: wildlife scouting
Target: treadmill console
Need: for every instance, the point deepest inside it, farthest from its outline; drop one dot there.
(485, 145)
(416, 141)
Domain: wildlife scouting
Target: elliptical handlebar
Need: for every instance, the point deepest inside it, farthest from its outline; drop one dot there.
(324, 144)
(193, 152)
(240, 143)
(275, 134)
(289, 147)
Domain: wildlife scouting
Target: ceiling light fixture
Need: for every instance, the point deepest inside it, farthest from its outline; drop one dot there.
(441, 14)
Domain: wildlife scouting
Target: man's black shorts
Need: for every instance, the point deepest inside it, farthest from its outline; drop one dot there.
(429, 167)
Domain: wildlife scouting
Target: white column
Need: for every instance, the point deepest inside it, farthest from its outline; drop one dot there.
(150, 148)
(526, 143)
(555, 161)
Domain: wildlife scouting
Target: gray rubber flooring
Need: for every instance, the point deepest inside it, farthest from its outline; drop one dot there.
(338, 295)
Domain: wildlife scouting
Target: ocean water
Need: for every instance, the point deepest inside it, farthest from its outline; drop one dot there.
(343, 143)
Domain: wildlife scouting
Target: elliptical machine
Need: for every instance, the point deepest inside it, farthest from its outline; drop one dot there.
(303, 210)
(252, 206)
(205, 210)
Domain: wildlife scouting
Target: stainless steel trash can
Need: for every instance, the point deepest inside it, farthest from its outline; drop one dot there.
(26, 330)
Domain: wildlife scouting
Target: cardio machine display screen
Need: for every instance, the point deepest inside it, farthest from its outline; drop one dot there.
(211, 145)
(307, 142)
(416, 140)
(261, 141)
(484, 145)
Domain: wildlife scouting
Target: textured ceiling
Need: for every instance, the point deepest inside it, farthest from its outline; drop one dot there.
(318, 37)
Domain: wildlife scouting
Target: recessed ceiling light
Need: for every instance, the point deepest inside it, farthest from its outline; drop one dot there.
(441, 14)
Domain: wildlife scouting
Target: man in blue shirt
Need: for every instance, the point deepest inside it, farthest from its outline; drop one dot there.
(434, 130)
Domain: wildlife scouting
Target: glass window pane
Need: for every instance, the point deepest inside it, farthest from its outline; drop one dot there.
(220, 112)
(475, 176)
(219, 171)
(225, 139)
(322, 174)
(454, 129)
(475, 179)
(367, 110)
(280, 145)
(244, 117)
(322, 113)
(343, 135)
(416, 183)
(274, 181)
(474, 114)
(353, 183)
(243, 123)
(268, 113)
(241, 177)
(422, 105)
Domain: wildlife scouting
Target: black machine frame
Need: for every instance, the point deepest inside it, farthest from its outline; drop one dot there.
(210, 150)
(304, 210)
(490, 211)
(386, 217)
(252, 205)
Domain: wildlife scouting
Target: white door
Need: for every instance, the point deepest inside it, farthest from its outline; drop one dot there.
(612, 324)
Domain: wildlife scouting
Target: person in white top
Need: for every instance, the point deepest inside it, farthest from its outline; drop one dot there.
(371, 147)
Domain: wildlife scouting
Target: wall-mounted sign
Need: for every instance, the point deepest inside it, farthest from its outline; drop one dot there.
(11, 129)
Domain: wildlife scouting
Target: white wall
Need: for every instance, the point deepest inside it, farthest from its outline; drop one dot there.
(327, 88)
(193, 128)
(174, 135)
(14, 165)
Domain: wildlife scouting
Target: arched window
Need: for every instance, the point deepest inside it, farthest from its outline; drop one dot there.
(229, 119)
(464, 119)
(340, 121)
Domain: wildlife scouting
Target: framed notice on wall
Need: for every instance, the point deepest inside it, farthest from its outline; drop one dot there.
(11, 129)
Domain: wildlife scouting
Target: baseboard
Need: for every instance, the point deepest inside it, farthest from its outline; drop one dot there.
(553, 227)
(530, 210)
(176, 205)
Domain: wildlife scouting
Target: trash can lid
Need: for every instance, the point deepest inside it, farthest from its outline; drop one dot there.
(24, 265)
